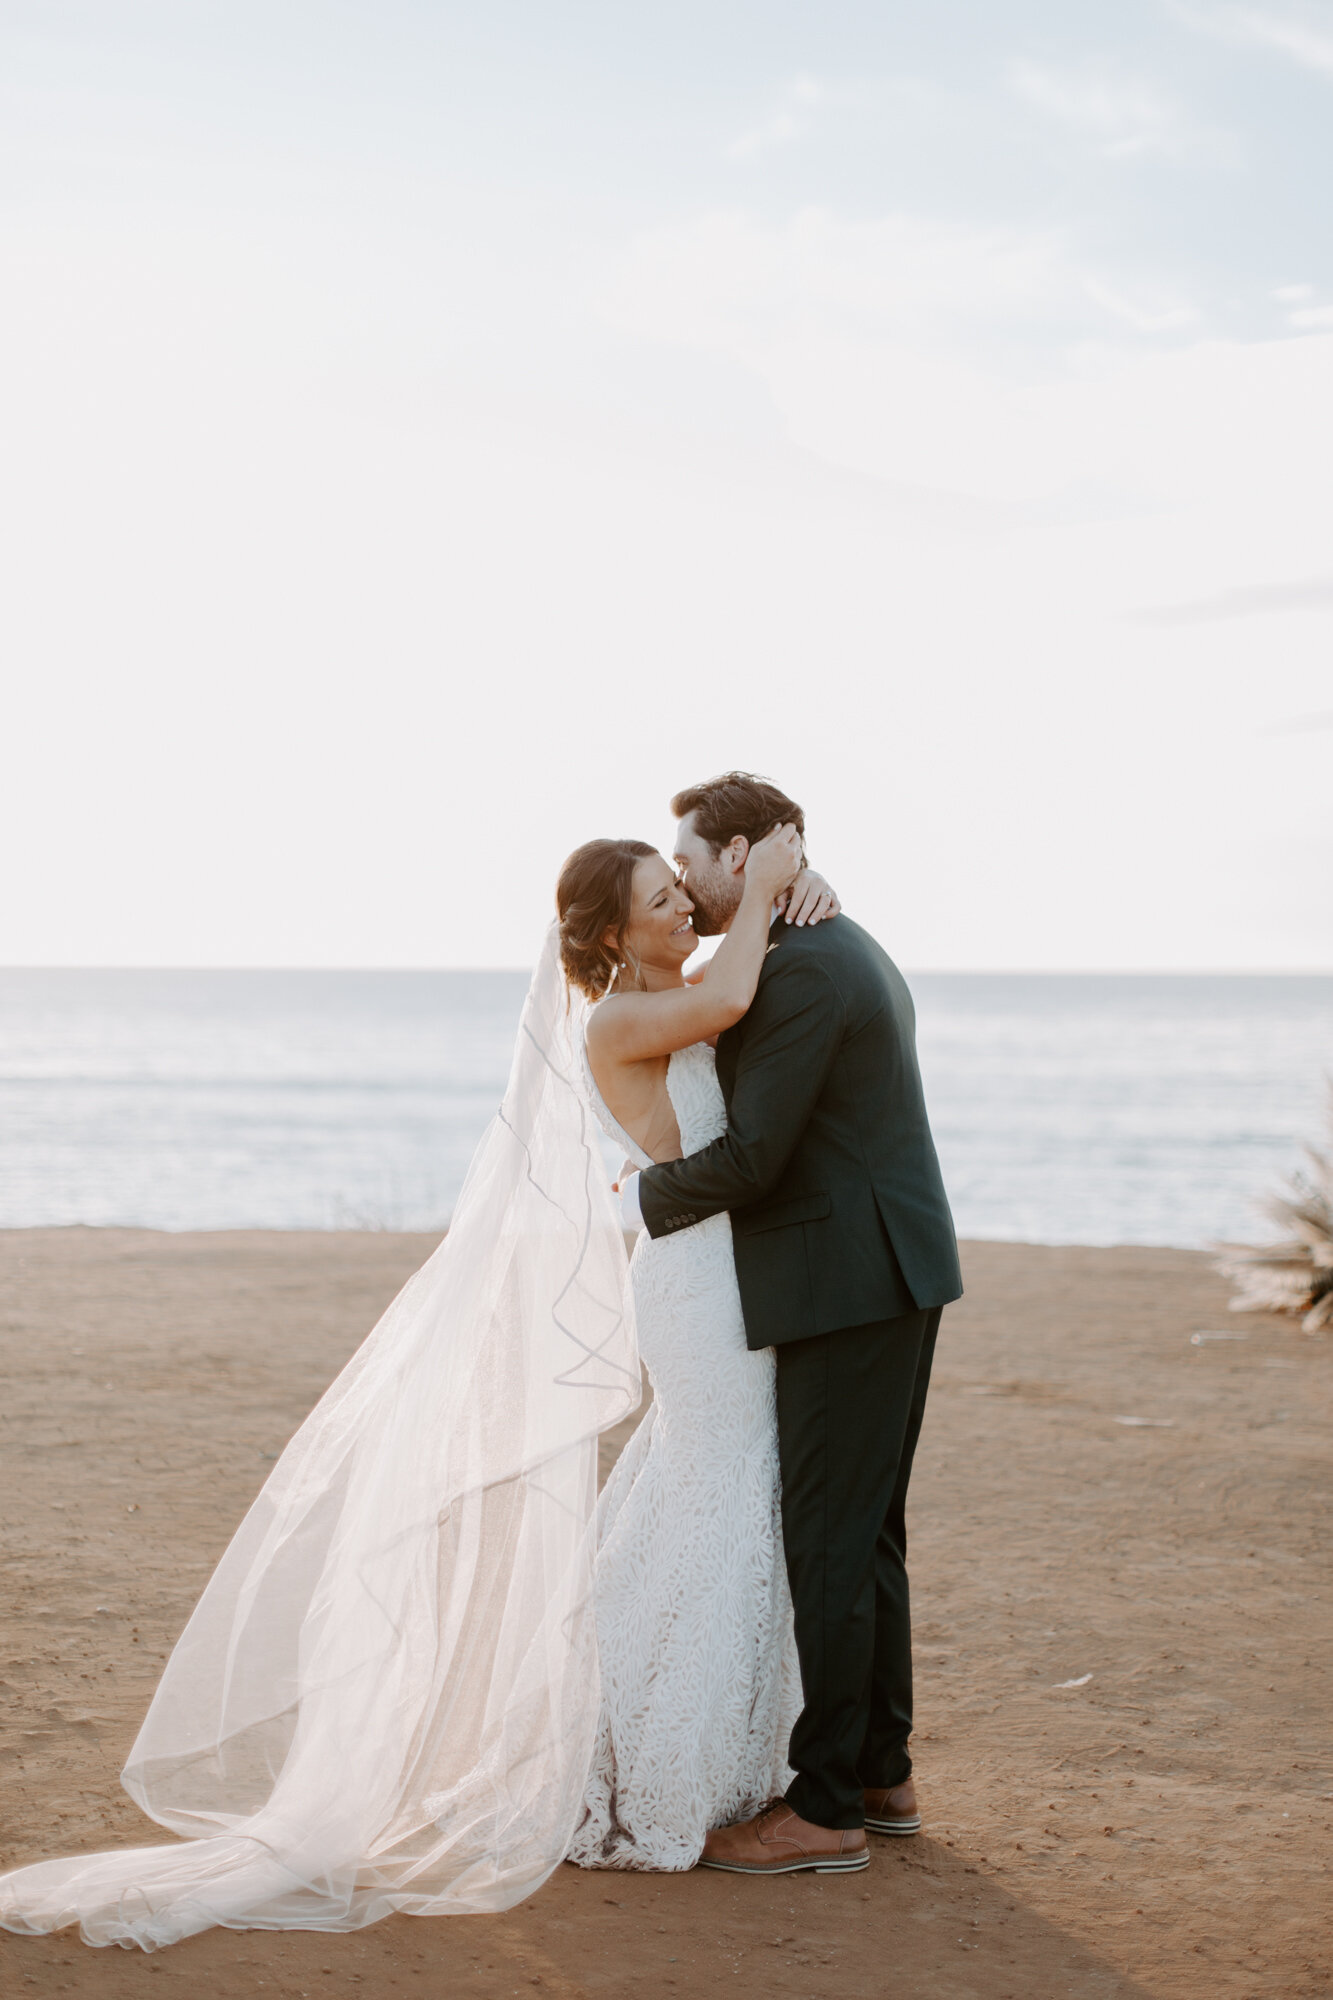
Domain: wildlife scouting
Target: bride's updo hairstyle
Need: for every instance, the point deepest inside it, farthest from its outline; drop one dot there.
(595, 894)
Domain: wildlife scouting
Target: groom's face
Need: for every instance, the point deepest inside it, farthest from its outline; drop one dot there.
(715, 882)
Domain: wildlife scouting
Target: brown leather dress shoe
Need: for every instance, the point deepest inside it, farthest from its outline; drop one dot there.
(893, 1810)
(777, 1842)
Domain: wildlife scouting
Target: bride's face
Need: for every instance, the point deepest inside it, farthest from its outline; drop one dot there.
(659, 933)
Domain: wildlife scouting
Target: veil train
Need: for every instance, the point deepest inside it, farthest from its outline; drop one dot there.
(387, 1695)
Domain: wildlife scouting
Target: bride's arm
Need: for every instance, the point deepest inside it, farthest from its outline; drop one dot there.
(630, 1027)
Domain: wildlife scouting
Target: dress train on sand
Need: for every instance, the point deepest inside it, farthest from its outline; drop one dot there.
(387, 1697)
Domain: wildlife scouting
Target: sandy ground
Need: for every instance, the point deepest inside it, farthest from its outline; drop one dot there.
(1161, 1829)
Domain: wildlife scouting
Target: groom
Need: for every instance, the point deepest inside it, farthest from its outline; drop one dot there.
(845, 1255)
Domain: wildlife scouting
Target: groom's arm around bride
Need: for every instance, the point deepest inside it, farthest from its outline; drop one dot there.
(845, 1254)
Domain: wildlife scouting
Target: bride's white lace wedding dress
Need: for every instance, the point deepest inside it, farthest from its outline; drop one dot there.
(700, 1683)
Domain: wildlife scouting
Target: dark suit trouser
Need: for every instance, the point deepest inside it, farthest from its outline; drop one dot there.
(850, 1406)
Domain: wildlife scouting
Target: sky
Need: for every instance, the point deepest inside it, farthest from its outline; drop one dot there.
(435, 433)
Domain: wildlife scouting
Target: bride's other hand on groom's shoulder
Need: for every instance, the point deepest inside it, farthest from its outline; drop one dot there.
(810, 898)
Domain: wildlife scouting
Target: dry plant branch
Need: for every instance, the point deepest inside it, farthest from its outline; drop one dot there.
(1294, 1275)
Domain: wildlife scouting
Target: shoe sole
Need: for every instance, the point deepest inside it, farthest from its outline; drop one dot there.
(842, 1865)
(912, 1825)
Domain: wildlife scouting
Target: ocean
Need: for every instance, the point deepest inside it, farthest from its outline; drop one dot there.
(1068, 1108)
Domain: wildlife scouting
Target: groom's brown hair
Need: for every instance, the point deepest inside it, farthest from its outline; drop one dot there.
(737, 802)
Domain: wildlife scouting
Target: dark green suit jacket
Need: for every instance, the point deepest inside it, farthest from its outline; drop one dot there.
(827, 1167)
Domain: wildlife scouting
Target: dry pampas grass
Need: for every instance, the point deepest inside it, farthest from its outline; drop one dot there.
(1296, 1274)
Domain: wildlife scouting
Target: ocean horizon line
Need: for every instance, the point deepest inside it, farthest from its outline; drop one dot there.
(911, 971)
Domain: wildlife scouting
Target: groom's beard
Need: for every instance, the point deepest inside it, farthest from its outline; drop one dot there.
(710, 919)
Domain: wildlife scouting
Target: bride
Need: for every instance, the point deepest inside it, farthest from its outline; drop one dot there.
(429, 1667)
(700, 1686)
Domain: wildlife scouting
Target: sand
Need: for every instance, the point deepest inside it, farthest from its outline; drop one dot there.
(1158, 1826)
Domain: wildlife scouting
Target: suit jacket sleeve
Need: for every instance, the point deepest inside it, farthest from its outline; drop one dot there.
(791, 1036)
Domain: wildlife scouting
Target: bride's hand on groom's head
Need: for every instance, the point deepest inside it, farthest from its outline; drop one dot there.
(809, 899)
(773, 863)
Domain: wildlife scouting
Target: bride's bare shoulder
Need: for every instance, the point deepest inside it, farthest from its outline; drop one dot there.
(604, 1018)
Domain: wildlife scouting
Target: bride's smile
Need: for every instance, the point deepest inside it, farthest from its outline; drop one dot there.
(660, 934)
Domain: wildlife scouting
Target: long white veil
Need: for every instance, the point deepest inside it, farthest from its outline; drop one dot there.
(386, 1697)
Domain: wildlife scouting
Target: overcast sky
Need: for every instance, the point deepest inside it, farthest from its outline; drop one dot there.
(435, 432)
